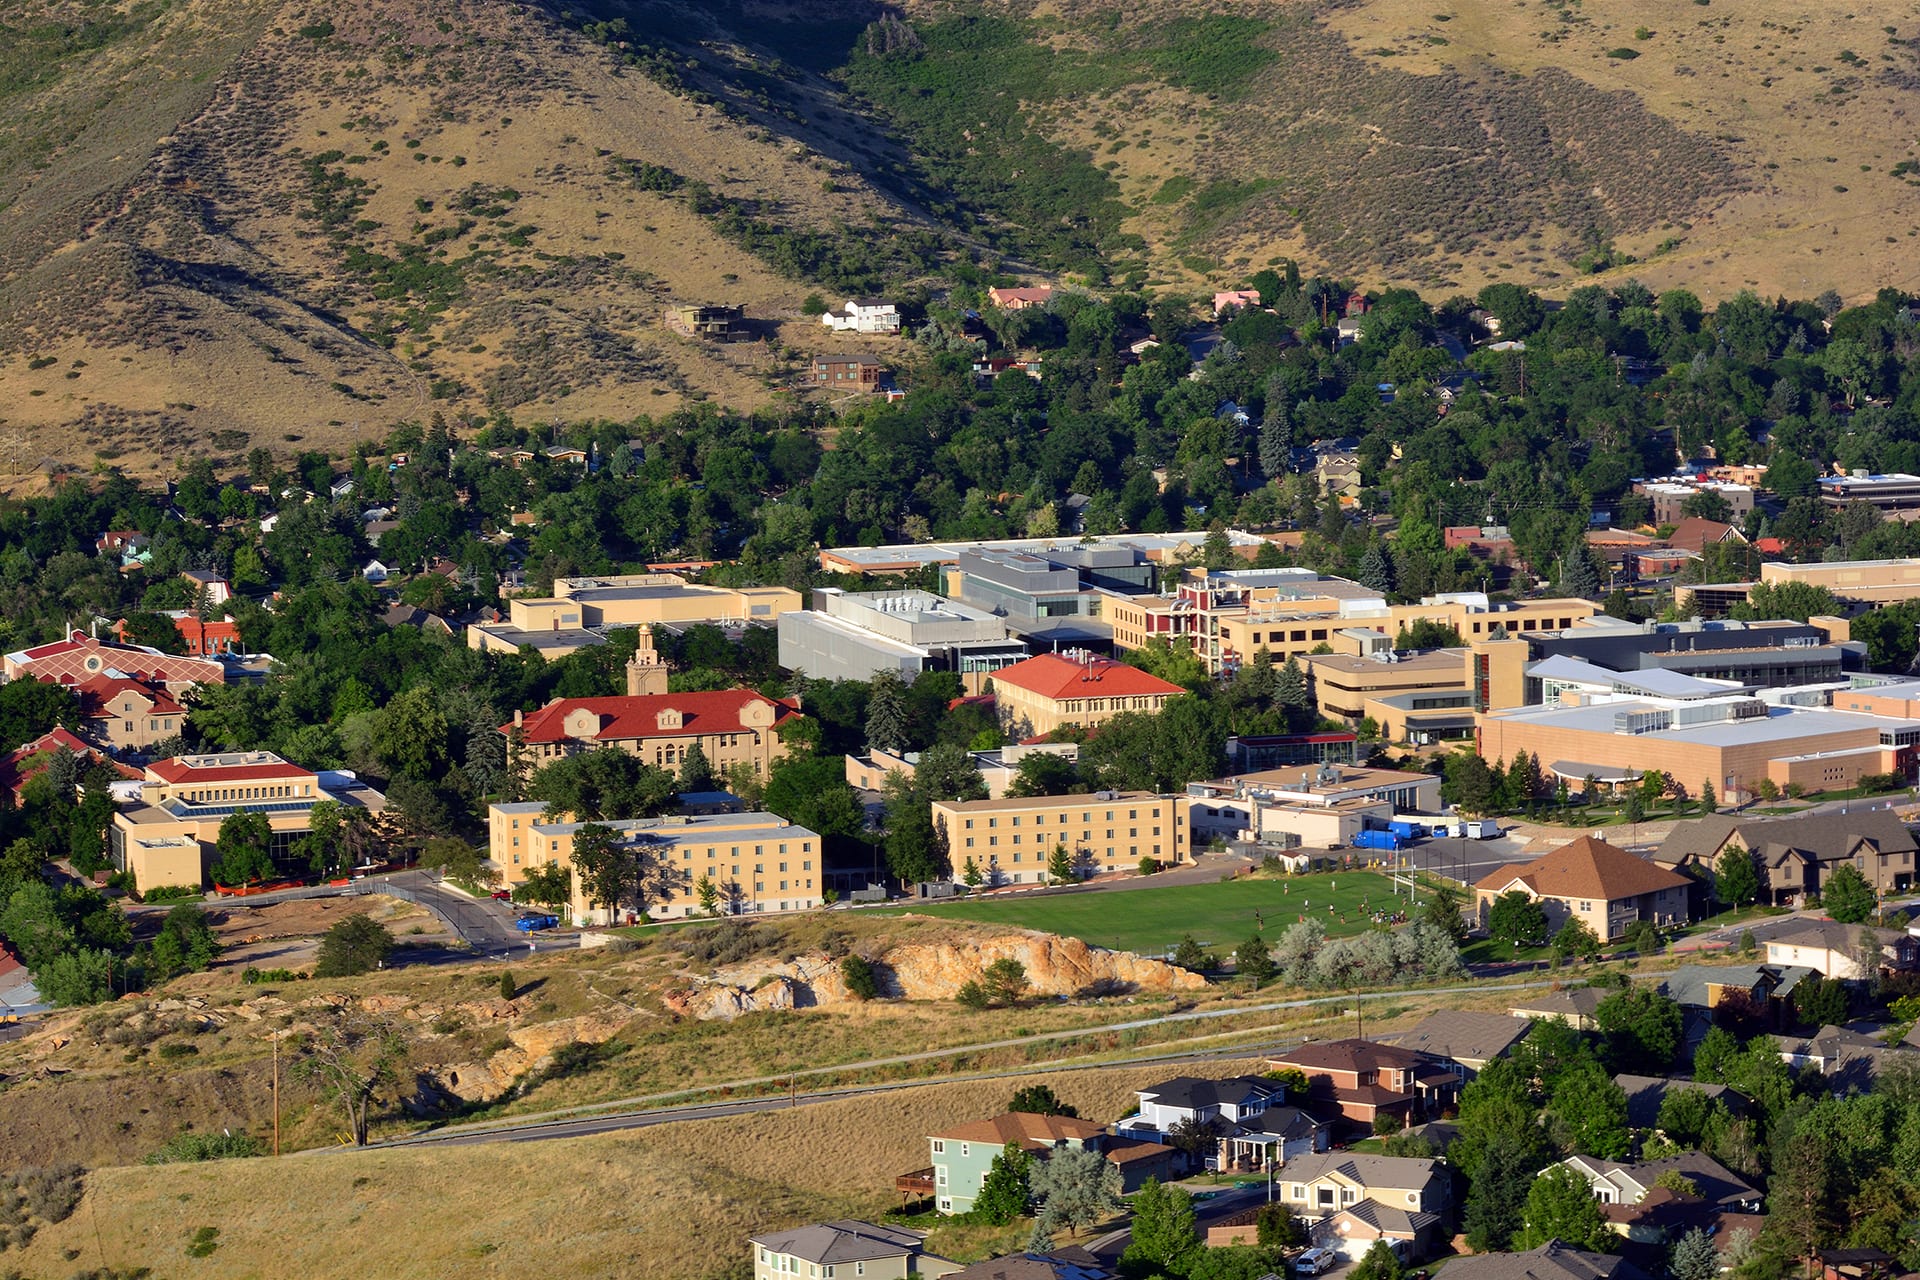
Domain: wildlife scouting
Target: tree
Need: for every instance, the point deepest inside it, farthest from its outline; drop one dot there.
(707, 893)
(1190, 957)
(354, 945)
(1376, 569)
(696, 774)
(1039, 1100)
(1004, 1192)
(1043, 773)
(1736, 881)
(351, 1056)
(242, 848)
(1252, 961)
(1077, 1187)
(1641, 1029)
(1379, 1262)
(1693, 1257)
(1275, 1227)
(1495, 1209)
(1005, 981)
(508, 987)
(1592, 1112)
(1716, 1053)
(1561, 1206)
(1442, 910)
(1575, 940)
(458, 861)
(971, 995)
(1847, 895)
(1060, 866)
(1517, 918)
(859, 978)
(185, 943)
(1164, 1237)
(1820, 1002)
(1194, 1137)
(549, 885)
(886, 714)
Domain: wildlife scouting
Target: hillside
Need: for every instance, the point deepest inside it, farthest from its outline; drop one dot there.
(229, 223)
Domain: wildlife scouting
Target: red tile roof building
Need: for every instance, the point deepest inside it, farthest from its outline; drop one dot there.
(24, 763)
(81, 657)
(1020, 299)
(1039, 695)
(126, 714)
(731, 726)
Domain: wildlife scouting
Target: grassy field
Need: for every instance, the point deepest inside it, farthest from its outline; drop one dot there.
(1219, 916)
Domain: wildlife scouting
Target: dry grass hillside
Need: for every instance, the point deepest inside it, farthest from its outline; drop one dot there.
(287, 224)
(672, 1203)
(235, 222)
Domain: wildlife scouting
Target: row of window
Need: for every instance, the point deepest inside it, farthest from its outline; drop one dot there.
(216, 795)
(782, 1264)
(1086, 837)
(1040, 819)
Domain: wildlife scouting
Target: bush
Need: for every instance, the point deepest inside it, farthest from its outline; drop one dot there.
(508, 988)
(178, 1049)
(355, 945)
(254, 977)
(1387, 1123)
(191, 1148)
(859, 977)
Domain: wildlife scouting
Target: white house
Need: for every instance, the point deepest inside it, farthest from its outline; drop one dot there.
(864, 315)
(1835, 950)
(374, 572)
(1187, 1099)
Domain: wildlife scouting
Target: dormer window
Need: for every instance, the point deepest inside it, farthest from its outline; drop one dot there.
(669, 718)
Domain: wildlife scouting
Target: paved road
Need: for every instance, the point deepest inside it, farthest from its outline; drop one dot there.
(644, 1109)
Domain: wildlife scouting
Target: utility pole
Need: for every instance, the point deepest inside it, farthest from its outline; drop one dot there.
(276, 1094)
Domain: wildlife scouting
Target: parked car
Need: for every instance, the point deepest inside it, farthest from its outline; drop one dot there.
(503, 895)
(533, 922)
(1315, 1261)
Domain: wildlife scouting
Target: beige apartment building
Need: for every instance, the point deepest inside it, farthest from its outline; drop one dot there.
(580, 610)
(1873, 581)
(168, 836)
(1009, 841)
(756, 862)
(1035, 697)
(127, 714)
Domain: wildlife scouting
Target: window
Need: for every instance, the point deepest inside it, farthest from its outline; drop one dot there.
(966, 1149)
(939, 1147)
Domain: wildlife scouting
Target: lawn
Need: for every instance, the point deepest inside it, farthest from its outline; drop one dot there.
(1220, 916)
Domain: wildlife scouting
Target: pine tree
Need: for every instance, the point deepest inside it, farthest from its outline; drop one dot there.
(886, 714)
(1276, 440)
(1577, 577)
(1376, 568)
(1693, 1257)
(1290, 692)
(1253, 961)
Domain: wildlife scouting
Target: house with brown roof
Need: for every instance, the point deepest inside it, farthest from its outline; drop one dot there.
(1352, 1200)
(848, 1248)
(80, 657)
(1360, 1080)
(1020, 299)
(1696, 534)
(1551, 1261)
(1795, 855)
(1836, 950)
(1069, 1263)
(1043, 693)
(1574, 1006)
(1593, 881)
(1467, 1038)
(962, 1156)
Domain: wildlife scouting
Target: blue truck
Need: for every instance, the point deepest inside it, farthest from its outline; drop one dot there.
(1377, 840)
(533, 922)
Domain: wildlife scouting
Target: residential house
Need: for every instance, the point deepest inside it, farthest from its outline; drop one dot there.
(340, 488)
(863, 315)
(730, 726)
(215, 588)
(1858, 1264)
(1247, 1113)
(1617, 1183)
(1795, 855)
(849, 373)
(124, 714)
(1020, 299)
(1361, 1080)
(129, 546)
(1234, 299)
(1463, 1037)
(1835, 950)
(715, 323)
(962, 1156)
(843, 1250)
(1696, 533)
(1551, 1261)
(1370, 1197)
(1574, 1006)
(374, 571)
(1760, 993)
(1590, 880)
(1850, 1060)
(1069, 1263)
(1647, 1094)
(406, 615)
(1052, 690)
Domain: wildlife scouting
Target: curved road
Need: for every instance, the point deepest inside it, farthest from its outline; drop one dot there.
(634, 1113)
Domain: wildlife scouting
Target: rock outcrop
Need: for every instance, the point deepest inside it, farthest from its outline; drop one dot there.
(931, 971)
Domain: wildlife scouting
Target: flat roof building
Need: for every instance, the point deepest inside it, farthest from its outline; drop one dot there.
(856, 635)
(1870, 581)
(1892, 492)
(169, 835)
(1010, 841)
(581, 610)
(1159, 548)
(755, 861)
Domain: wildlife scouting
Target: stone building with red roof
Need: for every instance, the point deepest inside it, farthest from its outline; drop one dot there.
(126, 714)
(1043, 693)
(731, 726)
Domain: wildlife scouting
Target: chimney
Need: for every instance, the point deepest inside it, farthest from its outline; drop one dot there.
(519, 719)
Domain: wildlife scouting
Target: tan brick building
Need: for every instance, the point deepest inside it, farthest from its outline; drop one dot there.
(756, 861)
(1607, 888)
(731, 726)
(1009, 841)
(127, 714)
